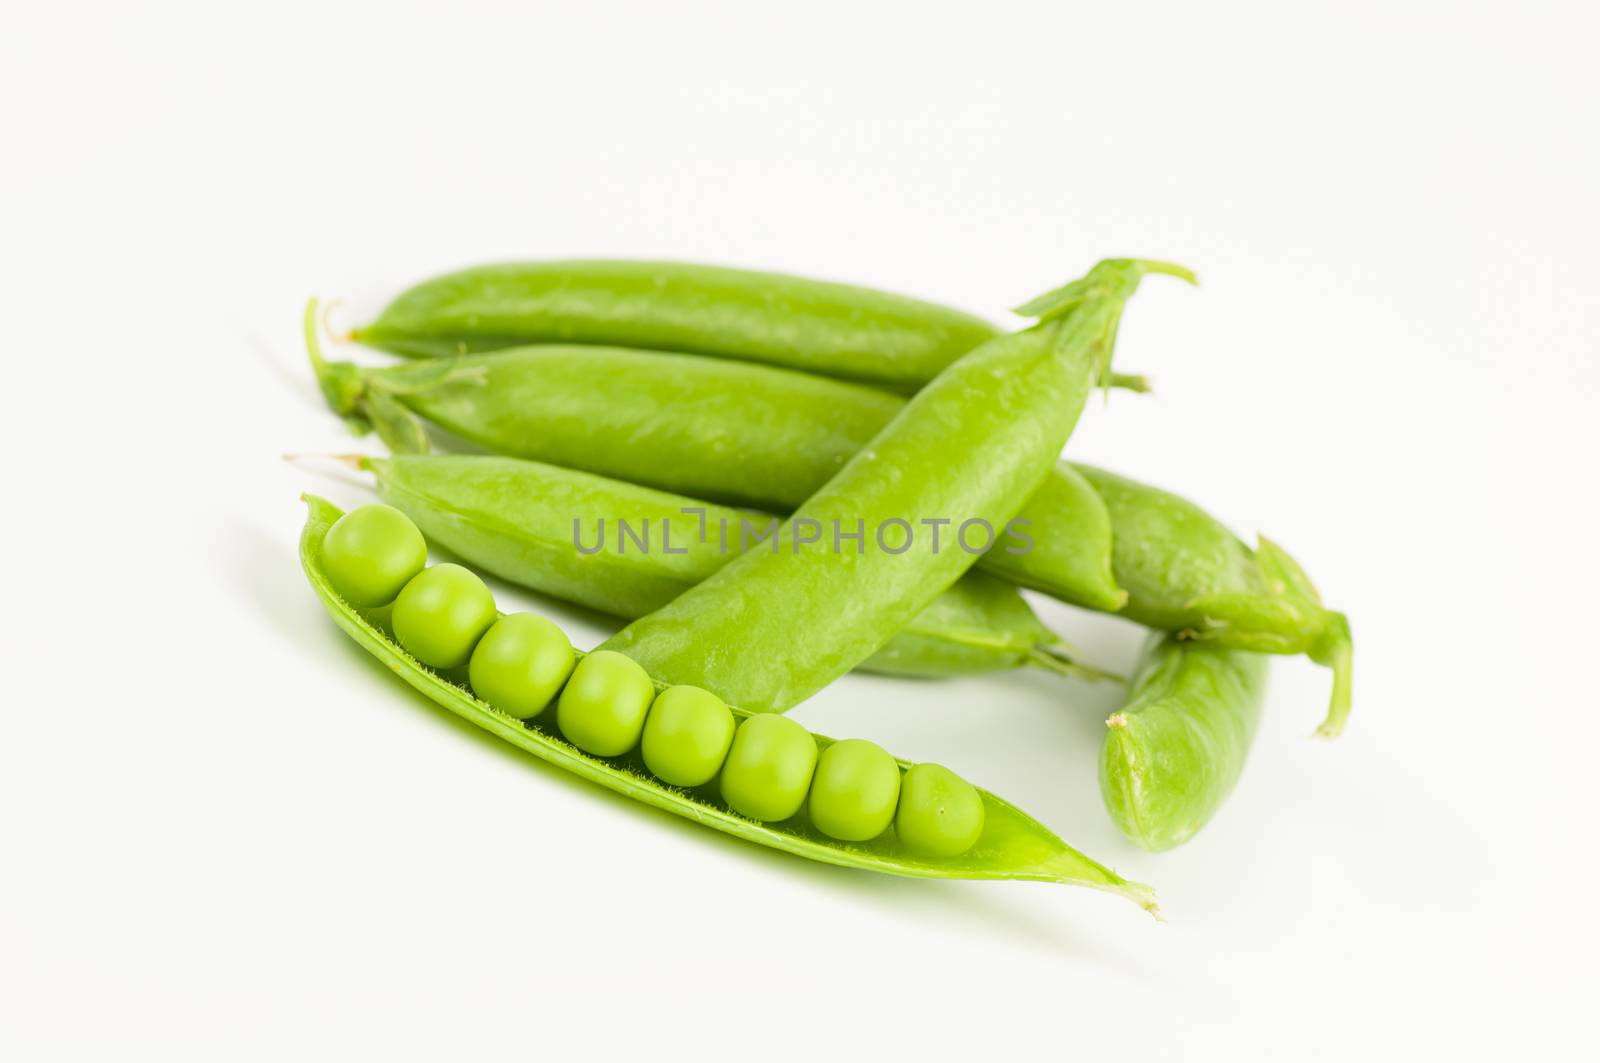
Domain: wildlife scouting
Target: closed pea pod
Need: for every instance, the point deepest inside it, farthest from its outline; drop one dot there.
(1186, 572)
(723, 431)
(842, 330)
(1012, 845)
(771, 317)
(1173, 753)
(972, 445)
(1177, 567)
(561, 533)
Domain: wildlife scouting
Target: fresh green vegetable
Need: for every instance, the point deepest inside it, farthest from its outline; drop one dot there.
(1186, 572)
(1178, 568)
(1174, 752)
(602, 708)
(769, 768)
(855, 790)
(520, 664)
(769, 629)
(767, 317)
(1011, 845)
(441, 614)
(686, 736)
(516, 519)
(719, 430)
(940, 812)
(372, 553)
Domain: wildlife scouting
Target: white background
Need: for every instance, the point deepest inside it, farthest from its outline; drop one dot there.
(227, 834)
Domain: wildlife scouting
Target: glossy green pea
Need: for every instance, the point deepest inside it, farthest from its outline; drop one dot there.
(1173, 753)
(516, 519)
(441, 614)
(854, 790)
(768, 768)
(520, 664)
(603, 706)
(940, 813)
(971, 446)
(371, 553)
(1015, 846)
(686, 736)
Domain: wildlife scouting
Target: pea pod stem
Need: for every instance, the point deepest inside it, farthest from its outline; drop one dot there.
(1012, 846)
(1336, 651)
(1056, 658)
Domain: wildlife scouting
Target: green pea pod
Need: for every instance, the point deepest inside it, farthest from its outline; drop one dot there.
(970, 447)
(1173, 753)
(557, 531)
(1012, 846)
(768, 437)
(1186, 572)
(835, 329)
(727, 431)
(838, 330)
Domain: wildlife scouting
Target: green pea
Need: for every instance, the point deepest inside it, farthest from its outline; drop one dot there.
(941, 814)
(441, 614)
(371, 553)
(520, 664)
(602, 709)
(769, 768)
(854, 792)
(686, 736)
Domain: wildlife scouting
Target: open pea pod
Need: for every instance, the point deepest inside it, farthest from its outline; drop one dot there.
(1013, 845)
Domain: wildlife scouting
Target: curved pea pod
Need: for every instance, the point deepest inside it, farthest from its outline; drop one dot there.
(824, 327)
(629, 550)
(1012, 846)
(727, 431)
(1173, 753)
(970, 446)
(1186, 572)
